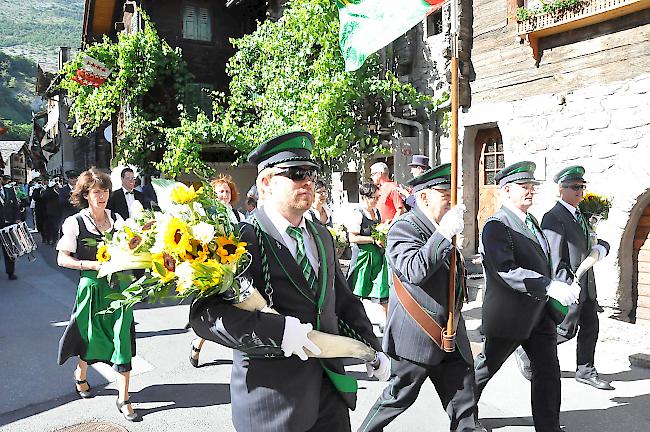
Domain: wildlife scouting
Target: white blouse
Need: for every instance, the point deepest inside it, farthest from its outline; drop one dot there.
(70, 229)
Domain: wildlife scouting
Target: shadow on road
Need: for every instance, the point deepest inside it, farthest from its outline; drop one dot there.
(195, 395)
(628, 416)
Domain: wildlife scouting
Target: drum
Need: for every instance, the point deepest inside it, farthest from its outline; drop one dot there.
(18, 241)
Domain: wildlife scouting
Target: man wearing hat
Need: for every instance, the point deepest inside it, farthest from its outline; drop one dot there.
(65, 206)
(568, 234)
(274, 385)
(418, 165)
(9, 215)
(419, 250)
(518, 282)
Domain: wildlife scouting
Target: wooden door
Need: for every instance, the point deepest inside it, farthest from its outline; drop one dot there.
(641, 266)
(490, 159)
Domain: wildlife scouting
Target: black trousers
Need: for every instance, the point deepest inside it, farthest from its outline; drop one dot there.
(333, 414)
(10, 265)
(582, 319)
(541, 348)
(453, 379)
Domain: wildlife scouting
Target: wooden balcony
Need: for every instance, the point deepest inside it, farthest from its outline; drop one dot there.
(588, 13)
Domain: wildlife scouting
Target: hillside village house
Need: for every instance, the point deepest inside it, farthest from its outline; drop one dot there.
(571, 87)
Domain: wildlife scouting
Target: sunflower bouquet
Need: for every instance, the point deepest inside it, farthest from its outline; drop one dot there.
(190, 248)
(595, 207)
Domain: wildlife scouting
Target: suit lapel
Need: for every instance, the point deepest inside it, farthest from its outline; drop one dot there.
(570, 221)
(324, 255)
(516, 224)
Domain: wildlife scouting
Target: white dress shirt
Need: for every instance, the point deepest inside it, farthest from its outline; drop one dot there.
(281, 224)
(130, 199)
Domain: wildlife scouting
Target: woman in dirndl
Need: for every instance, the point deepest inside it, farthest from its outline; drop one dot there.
(106, 338)
(368, 274)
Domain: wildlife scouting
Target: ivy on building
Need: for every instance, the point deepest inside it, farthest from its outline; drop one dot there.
(552, 7)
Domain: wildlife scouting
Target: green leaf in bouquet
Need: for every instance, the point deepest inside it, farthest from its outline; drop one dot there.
(160, 269)
(90, 242)
(116, 296)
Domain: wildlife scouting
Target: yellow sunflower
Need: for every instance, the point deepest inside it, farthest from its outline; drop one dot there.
(230, 249)
(163, 265)
(102, 254)
(177, 237)
(182, 194)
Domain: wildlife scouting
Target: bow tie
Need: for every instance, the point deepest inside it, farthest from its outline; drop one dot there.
(128, 193)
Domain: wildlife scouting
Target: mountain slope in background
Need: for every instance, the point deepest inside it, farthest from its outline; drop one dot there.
(35, 29)
(30, 33)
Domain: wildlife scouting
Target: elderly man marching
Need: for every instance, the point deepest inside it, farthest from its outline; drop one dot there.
(419, 249)
(274, 385)
(570, 240)
(518, 284)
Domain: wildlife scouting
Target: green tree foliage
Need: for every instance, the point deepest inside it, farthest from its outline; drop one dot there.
(17, 77)
(289, 74)
(16, 131)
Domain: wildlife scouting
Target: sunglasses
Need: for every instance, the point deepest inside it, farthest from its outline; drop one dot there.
(576, 187)
(298, 173)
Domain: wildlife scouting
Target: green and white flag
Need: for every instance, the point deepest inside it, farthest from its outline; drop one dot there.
(369, 25)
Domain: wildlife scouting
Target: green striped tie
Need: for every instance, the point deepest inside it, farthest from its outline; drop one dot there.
(583, 224)
(301, 257)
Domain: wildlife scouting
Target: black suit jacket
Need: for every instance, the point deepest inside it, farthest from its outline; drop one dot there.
(10, 209)
(419, 255)
(517, 274)
(117, 202)
(67, 209)
(271, 392)
(569, 247)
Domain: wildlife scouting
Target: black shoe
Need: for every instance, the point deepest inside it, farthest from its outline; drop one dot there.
(194, 362)
(120, 405)
(12, 276)
(596, 382)
(83, 393)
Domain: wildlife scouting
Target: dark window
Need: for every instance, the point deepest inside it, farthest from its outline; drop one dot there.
(196, 23)
(434, 23)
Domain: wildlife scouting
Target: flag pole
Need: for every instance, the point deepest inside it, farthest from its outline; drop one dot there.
(449, 337)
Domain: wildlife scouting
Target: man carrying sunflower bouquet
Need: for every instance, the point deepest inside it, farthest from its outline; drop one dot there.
(276, 383)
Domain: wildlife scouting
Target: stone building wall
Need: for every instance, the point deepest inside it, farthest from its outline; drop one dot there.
(603, 127)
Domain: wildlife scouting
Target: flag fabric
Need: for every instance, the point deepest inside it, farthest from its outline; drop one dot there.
(369, 25)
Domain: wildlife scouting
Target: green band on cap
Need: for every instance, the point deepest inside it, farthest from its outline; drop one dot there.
(291, 144)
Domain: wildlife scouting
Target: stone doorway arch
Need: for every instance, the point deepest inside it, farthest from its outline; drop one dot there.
(629, 258)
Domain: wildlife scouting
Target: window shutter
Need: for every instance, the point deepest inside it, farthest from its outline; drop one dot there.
(189, 22)
(204, 28)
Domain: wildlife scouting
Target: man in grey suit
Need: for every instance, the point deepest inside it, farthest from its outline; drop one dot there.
(419, 249)
(571, 239)
(518, 284)
(274, 385)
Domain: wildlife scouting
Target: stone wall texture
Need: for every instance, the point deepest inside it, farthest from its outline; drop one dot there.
(605, 128)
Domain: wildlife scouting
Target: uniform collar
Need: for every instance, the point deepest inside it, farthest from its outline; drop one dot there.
(569, 207)
(521, 215)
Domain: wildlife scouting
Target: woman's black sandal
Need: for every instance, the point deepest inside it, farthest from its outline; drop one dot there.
(120, 405)
(194, 362)
(83, 393)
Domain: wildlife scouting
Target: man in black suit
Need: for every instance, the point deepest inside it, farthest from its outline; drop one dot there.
(65, 206)
(571, 240)
(518, 284)
(419, 250)
(274, 385)
(9, 215)
(122, 201)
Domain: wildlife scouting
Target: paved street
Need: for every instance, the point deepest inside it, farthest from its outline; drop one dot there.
(38, 395)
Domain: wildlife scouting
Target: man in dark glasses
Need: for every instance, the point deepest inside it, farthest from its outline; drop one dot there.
(571, 239)
(274, 384)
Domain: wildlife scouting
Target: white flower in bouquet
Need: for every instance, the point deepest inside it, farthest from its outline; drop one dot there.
(137, 209)
(185, 275)
(203, 232)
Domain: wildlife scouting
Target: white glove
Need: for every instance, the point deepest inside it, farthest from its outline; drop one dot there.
(452, 222)
(564, 293)
(382, 373)
(602, 252)
(295, 340)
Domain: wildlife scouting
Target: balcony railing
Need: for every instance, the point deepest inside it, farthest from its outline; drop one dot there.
(587, 13)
